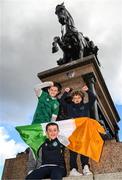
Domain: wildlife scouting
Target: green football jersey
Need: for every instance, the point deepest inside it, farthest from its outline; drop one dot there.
(46, 107)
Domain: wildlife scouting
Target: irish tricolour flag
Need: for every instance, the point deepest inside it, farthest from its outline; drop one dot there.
(80, 135)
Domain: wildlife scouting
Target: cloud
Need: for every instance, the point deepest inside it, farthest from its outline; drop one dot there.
(8, 147)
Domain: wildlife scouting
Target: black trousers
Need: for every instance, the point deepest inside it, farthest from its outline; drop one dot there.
(73, 160)
(52, 172)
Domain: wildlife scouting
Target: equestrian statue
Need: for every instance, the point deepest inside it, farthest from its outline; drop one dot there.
(73, 44)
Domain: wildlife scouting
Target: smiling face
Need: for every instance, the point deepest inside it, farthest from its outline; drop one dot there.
(76, 99)
(53, 91)
(52, 131)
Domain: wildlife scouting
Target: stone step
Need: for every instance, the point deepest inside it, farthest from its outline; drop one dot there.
(90, 177)
(106, 176)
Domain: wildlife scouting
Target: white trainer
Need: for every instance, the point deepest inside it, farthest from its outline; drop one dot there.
(74, 172)
(86, 170)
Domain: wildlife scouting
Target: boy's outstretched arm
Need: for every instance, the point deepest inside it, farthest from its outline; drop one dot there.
(91, 95)
(64, 96)
(54, 117)
(38, 87)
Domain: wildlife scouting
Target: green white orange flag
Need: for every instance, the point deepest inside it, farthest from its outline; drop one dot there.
(80, 135)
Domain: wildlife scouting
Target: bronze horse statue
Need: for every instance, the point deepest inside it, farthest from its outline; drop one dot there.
(73, 44)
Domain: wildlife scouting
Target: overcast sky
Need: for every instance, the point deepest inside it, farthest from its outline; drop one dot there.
(27, 31)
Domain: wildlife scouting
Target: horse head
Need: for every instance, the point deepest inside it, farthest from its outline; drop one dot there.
(73, 44)
(64, 17)
(61, 13)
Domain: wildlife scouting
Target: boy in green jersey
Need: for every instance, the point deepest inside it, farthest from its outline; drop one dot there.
(48, 105)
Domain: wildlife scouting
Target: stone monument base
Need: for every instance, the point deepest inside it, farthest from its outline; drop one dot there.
(110, 162)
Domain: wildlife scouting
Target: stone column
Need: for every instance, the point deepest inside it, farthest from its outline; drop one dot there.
(90, 81)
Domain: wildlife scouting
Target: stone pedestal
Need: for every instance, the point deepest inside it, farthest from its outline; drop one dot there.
(111, 158)
(110, 162)
(86, 71)
(15, 168)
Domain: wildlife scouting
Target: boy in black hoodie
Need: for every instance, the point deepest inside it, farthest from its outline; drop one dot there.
(74, 109)
(51, 162)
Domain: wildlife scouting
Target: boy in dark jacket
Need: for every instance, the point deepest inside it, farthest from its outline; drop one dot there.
(74, 109)
(51, 162)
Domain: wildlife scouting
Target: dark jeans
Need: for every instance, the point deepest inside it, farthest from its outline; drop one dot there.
(53, 172)
(73, 160)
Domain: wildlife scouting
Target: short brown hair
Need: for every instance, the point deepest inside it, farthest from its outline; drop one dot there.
(77, 93)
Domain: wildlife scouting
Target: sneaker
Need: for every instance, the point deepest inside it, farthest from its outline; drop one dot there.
(74, 172)
(86, 170)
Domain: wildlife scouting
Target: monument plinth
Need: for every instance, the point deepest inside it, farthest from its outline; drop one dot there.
(110, 162)
(86, 70)
(15, 168)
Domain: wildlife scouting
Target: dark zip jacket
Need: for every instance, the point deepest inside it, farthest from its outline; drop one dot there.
(51, 152)
(72, 110)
